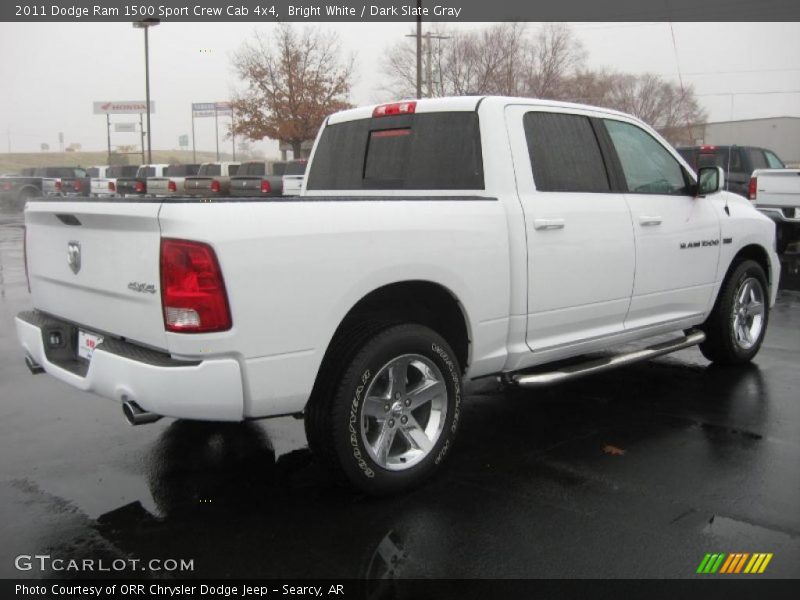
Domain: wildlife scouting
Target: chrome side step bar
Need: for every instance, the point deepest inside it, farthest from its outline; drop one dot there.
(532, 380)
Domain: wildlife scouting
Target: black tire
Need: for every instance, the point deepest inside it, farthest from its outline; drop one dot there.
(333, 423)
(721, 345)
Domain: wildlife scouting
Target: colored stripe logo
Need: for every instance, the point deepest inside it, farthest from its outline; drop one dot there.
(734, 563)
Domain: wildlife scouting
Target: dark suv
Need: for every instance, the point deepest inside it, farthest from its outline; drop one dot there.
(738, 162)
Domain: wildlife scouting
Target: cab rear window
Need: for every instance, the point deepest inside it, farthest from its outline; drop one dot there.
(209, 170)
(426, 151)
(252, 168)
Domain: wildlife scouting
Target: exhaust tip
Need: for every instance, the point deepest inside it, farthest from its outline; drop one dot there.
(136, 415)
(34, 367)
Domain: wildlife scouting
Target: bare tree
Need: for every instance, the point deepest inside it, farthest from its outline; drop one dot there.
(293, 81)
(553, 58)
(505, 59)
(501, 59)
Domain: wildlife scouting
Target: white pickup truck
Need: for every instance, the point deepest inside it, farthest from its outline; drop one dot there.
(776, 193)
(172, 182)
(105, 184)
(434, 241)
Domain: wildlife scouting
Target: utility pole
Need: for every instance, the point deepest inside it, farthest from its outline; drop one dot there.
(419, 48)
(429, 51)
(216, 129)
(194, 151)
(147, 95)
(8, 134)
(141, 130)
(147, 24)
(233, 136)
(108, 134)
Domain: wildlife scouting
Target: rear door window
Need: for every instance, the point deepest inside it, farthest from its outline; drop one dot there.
(773, 161)
(757, 158)
(647, 165)
(426, 151)
(565, 154)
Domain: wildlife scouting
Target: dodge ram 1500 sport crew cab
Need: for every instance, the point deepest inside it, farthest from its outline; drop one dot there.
(434, 241)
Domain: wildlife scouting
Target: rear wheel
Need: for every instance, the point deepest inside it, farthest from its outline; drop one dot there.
(393, 412)
(737, 325)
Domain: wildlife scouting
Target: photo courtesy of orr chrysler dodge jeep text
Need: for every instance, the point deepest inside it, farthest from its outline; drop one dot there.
(433, 241)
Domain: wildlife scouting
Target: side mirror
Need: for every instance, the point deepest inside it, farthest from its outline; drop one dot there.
(710, 180)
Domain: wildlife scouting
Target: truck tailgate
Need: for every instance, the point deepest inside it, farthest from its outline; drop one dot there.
(197, 185)
(96, 264)
(778, 187)
(158, 186)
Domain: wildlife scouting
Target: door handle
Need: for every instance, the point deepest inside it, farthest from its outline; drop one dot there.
(649, 221)
(545, 224)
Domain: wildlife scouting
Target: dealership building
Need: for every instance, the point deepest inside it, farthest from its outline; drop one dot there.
(779, 134)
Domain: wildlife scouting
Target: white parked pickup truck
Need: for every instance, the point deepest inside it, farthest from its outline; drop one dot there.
(435, 241)
(171, 183)
(105, 184)
(776, 193)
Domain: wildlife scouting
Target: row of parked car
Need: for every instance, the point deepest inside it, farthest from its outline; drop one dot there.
(761, 177)
(246, 179)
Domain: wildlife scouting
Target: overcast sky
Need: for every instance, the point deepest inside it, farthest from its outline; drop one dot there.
(50, 73)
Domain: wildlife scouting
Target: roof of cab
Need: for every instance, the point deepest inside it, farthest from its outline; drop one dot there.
(464, 103)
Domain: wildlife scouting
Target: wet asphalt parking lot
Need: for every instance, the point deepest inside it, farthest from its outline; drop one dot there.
(634, 473)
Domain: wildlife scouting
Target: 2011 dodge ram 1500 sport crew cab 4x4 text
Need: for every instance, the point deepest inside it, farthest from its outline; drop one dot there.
(434, 240)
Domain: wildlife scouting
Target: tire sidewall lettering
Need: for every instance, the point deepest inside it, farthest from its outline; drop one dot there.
(353, 430)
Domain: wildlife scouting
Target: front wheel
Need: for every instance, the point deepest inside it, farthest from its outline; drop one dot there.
(394, 413)
(736, 327)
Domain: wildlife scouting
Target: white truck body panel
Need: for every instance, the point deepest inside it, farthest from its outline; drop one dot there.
(778, 188)
(119, 244)
(293, 268)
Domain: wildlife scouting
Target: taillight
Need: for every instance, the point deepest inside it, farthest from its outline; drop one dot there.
(215, 186)
(192, 289)
(58, 185)
(76, 185)
(397, 108)
(7, 186)
(266, 188)
(25, 255)
(112, 187)
(171, 186)
(752, 188)
(139, 187)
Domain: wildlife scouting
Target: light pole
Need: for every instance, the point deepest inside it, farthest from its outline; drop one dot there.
(147, 24)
